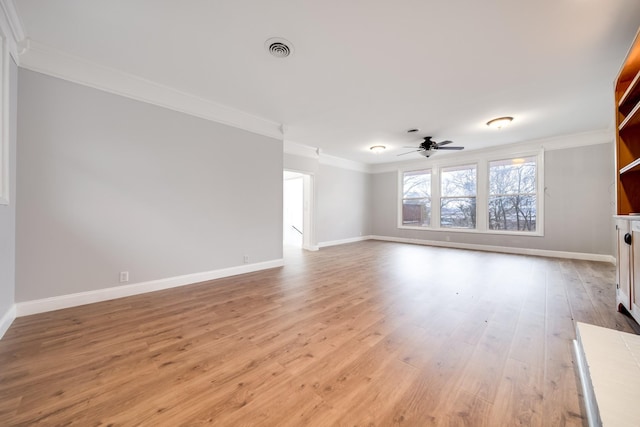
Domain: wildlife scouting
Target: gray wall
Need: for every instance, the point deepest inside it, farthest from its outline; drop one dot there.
(342, 199)
(578, 206)
(108, 184)
(8, 212)
(343, 204)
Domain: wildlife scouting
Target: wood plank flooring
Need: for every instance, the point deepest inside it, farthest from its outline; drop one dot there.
(364, 334)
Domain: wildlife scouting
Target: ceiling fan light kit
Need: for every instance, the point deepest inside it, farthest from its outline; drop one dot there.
(500, 122)
(429, 146)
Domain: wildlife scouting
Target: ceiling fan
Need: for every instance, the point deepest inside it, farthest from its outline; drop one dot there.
(429, 146)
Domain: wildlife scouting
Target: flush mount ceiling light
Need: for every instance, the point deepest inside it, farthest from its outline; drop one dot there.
(279, 47)
(378, 148)
(500, 122)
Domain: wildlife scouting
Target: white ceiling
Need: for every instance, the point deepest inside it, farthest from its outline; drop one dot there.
(364, 72)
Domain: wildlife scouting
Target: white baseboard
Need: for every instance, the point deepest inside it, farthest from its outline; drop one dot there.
(7, 319)
(65, 301)
(343, 241)
(501, 249)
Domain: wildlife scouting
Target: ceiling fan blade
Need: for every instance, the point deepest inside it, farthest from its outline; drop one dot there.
(408, 152)
(440, 144)
(411, 147)
(450, 148)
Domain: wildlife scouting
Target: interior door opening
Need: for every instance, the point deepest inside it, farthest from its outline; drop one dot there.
(292, 212)
(297, 212)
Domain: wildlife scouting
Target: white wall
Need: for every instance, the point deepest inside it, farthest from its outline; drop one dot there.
(343, 204)
(109, 184)
(578, 206)
(8, 215)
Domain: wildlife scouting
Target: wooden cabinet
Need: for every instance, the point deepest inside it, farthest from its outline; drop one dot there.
(627, 99)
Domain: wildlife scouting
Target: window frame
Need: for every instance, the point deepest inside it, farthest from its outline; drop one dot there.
(537, 193)
(481, 162)
(475, 194)
(421, 171)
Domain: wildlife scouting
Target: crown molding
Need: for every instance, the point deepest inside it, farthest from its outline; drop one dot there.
(583, 139)
(339, 162)
(47, 60)
(12, 28)
(302, 150)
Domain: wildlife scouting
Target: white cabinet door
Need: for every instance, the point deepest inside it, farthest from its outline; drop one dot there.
(623, 271)
(635, 269)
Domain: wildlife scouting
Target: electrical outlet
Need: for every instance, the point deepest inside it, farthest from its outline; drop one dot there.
(245, 259)
(124, 276)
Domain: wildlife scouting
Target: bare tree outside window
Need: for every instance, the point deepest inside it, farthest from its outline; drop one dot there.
(416, 198)
(512, 194)
(458, 197)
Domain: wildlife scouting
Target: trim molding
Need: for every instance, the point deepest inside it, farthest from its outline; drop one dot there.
(47, 60)
(296, 149)
(7, 319)
(65, 301)
(345, 241)
(475, 247)
(339, 162)
(502, 249)
(12, 28)
(585, 139)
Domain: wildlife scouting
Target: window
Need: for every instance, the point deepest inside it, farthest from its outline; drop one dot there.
(489, 193)
(458, 197)
(513, 194)
(416, 198)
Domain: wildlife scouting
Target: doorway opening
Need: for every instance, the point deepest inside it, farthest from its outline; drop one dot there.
(297, 226)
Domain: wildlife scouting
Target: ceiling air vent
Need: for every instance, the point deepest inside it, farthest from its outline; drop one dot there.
(280, 48)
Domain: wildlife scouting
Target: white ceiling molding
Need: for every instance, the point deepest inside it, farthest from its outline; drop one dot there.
(44, 59)
(12, 28)
(548, 144)
(576, 140)
(302, 150)
(339, 162)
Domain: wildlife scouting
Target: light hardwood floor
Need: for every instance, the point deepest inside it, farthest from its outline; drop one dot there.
(365, 334)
